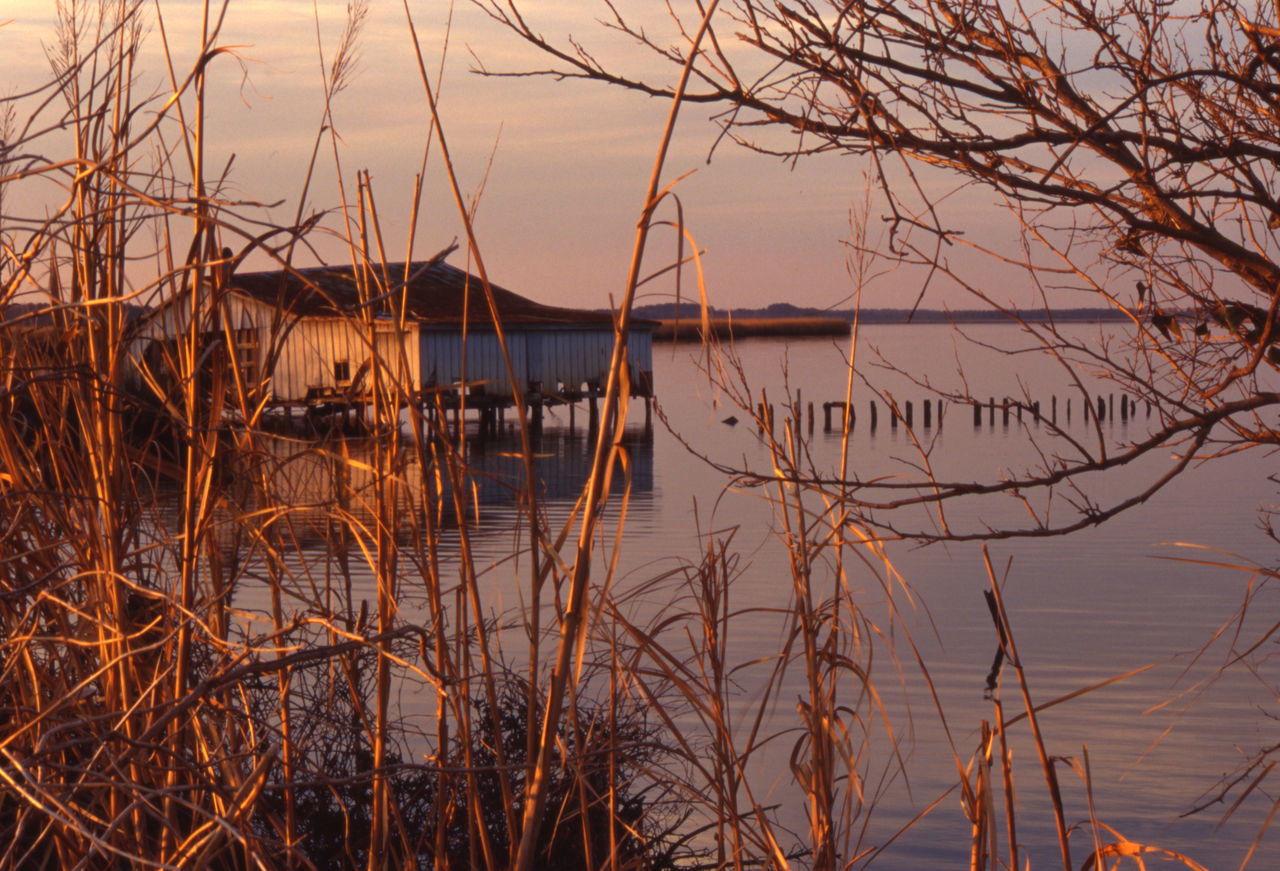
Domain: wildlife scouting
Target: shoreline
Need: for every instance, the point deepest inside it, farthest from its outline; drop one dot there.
(689, 329)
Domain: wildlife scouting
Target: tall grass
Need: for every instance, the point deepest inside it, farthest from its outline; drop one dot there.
(203, 667)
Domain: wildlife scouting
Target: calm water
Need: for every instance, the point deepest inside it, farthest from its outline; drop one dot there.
(1083, 608)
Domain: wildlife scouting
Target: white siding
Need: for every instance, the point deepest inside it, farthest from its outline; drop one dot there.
(441, 360)
(310, 351)
(306, 348)
(559, 359)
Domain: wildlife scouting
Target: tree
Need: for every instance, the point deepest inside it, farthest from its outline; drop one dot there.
(1135, 143)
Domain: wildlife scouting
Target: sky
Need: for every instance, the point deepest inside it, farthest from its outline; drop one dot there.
(558, 169)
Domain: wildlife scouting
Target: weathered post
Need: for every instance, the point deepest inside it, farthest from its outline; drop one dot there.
(1004, 412)
(977, 414)
(1053, 409)
(928, 414)
(873, 414)
(909, 413)
(1102, 408)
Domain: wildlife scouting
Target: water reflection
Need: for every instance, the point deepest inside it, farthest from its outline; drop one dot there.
(315, 480)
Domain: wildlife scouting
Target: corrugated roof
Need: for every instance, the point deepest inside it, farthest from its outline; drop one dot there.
(437, 293)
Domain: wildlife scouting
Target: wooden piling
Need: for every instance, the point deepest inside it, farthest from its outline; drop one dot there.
(928, 414)
(1102, 408)
(909, 413)
(873, 414)
(846, 410)
(977, 414)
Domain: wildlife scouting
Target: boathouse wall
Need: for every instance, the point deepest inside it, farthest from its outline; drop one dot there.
(299, 358)
(554, 360)
(322, 357)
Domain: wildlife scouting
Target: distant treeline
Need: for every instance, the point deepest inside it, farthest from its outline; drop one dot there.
(690, 329)
(785, 310)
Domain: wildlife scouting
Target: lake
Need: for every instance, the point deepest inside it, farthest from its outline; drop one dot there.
(1137, 592)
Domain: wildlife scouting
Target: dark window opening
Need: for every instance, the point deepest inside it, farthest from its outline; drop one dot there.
(341, 371)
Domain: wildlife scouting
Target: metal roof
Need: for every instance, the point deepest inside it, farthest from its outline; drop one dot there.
(437, 294)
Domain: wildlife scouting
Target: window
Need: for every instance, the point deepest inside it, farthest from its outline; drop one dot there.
(341, 371)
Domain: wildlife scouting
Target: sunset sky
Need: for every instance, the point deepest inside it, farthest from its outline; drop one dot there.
(570, 160)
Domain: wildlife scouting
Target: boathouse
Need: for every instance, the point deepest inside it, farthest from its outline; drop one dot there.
(309, 337)
(302, 338)
(557, 354)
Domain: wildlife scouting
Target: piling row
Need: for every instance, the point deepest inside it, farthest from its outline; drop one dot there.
(838, 415)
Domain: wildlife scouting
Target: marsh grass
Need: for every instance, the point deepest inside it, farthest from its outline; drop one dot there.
(204, 667)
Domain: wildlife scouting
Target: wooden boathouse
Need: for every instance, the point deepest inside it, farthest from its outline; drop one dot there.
(558, 355)
(307, 338)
